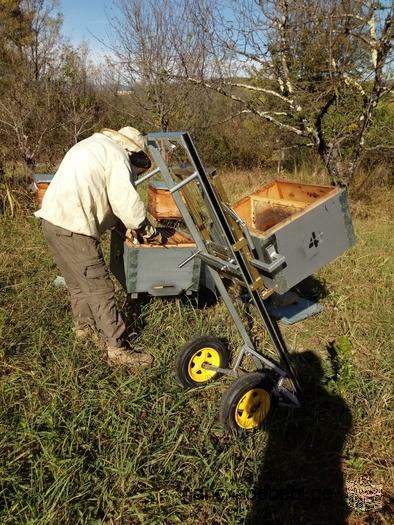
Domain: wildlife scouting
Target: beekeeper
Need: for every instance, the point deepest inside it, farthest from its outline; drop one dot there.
(90, 191)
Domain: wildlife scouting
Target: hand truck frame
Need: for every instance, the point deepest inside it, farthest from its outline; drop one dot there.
(227, 249)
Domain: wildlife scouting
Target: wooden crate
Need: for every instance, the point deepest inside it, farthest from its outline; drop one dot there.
(161, 205)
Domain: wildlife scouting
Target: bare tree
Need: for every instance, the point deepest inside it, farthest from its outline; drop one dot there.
(26, 117)
(45, 41)
(315, 69)
(28, 94)
(77, 102)
(25, 110)
(46, 100)
(150, 41)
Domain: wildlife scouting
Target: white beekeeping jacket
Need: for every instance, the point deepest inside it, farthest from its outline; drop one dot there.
(91, 188)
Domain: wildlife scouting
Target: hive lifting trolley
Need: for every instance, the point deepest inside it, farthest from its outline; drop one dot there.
(226, 247)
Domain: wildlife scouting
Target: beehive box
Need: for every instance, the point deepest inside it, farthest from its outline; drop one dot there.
(147, 269)
(309, 225)
(42, 181)
(161, 205)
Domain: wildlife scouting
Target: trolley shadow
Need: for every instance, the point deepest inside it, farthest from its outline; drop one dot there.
(301, 480)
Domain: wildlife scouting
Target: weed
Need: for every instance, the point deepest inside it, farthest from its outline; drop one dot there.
(341, 378)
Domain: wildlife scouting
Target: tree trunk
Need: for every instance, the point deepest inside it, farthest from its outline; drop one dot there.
(330, 158)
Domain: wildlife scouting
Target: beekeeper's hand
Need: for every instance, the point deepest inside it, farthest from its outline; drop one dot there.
(149, 234)
(146, 234)
(132, 237)
(146, 230)
(154, 239)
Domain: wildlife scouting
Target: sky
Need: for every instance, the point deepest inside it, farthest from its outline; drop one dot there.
(85, 18)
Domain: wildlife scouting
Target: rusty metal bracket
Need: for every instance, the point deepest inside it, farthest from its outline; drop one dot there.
(241, 243)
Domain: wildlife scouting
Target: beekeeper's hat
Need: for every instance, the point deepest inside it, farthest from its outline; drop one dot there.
(129, 138)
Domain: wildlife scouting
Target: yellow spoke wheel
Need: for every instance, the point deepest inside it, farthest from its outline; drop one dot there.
(196, 370)
(247, 403)
(192, 358)
(253, 408)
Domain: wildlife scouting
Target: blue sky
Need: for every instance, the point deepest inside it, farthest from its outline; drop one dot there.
(82, 18)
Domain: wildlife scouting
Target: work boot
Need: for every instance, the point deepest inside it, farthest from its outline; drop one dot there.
(82, 333)
(120, 355)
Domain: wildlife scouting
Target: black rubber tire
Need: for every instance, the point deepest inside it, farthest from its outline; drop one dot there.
(190, 349)
(232, 396)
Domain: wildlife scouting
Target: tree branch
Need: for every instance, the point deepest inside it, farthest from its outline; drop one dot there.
(321, 142)
(353, 82)
(259, 89)
(267, 115)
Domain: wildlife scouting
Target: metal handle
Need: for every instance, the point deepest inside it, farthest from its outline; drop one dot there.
(146, 177)
(190, 258)
(241, 224)
(183, 182)
(276, 260)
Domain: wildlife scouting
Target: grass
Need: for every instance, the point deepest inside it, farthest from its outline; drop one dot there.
(80, 443)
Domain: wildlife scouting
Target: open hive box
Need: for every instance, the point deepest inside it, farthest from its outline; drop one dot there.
(153, 269)
(308, 225)
(161, 205)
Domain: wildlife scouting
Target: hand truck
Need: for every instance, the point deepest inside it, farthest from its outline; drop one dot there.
(224, 244)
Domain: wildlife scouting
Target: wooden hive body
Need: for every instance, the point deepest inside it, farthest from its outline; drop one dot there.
(309, 225)
(161, 205)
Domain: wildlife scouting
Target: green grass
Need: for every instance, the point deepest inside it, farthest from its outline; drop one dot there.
(80, 443)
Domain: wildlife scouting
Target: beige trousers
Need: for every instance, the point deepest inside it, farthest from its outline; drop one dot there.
(81, 263)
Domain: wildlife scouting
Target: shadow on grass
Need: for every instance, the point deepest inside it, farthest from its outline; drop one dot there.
(312, 288)
(301, 479)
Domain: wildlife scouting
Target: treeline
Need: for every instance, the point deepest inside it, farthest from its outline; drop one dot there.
(278, 101)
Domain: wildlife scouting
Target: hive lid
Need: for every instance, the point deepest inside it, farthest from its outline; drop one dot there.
(42, 177)
(158, 185)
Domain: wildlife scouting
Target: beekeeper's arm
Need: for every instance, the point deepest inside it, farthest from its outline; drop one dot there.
(125, 201)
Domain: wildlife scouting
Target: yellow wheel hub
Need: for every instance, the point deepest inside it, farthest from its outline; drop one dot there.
(252, 408)
(197, 372)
